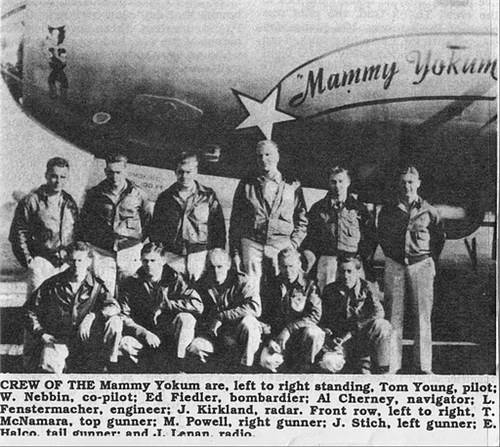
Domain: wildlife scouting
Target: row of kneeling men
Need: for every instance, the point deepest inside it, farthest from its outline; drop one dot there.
(160, 323)
(268, 215)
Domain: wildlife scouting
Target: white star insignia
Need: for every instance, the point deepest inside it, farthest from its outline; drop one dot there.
(262, 114)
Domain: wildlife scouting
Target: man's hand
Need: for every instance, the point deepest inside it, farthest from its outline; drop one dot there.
(152, 340)
(214, 328)
(48, 339)
(85, 325)
(283, 338)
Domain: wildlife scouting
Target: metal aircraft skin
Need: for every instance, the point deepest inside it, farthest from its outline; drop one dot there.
(370, 85)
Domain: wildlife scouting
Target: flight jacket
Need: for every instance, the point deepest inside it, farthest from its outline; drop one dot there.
(410, 237)
(229, 302)
(34, 233)
(139, 300)
(284, 223)
(111, 226)
(54, 309)
(188, 227)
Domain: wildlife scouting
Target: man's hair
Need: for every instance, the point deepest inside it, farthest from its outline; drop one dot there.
(153, 247)
(266, 143)
(338, 170)
(287, 253)
(57, 161)
(79, 246)
(116, 157)
(344, 258)
(408, 170)
(183, 157)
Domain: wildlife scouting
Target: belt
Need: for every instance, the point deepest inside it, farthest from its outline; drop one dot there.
(415, 259)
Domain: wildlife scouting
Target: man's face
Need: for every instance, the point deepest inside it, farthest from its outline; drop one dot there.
(80, 261)
(267, 158)
(408, 185)
(56, 178)
(186, 173)
(116, 173)
(153, 263)
(289, 268)
(338, 184)
(349, 275)
(219, 266)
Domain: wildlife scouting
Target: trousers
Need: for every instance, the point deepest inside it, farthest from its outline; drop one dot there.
(416, 284)
(192, 265)
(304, 345)
(243, 337)
(112, 267)
(90, 356)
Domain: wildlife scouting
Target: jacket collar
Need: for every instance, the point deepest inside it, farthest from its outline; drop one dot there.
(276, 177)
(326, 202)
(168, 275)
(90, 281)
(42, 192)
(361, 290)
(416, 204)
(104, 189)
(300, 281)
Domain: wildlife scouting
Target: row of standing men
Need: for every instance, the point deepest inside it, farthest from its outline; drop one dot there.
(269, 217)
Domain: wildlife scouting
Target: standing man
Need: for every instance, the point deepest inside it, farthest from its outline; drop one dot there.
(43, 224)
(295, 313)
(114, 218)
(160, 309)
(338, 224)
(411, 237)
(188, 220)
(74, 320)
(351, 311)
(268, 215)
(231, 307)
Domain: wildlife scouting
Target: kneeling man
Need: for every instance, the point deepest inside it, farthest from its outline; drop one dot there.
(231, 307)
(295, 313)
(159, 308)
(74, 318)
(351, 312)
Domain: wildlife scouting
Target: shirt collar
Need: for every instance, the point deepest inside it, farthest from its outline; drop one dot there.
(43, 192)
(105, 189)
(416, 204)
(195, 188)
(300, 281)
(276, 177)
(89, 280)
